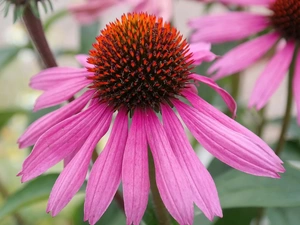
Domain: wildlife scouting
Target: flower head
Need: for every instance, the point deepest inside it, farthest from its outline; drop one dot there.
(281, 23)
(139, 66)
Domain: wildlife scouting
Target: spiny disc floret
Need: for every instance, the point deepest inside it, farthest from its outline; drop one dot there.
(139, 62)
(286, 18)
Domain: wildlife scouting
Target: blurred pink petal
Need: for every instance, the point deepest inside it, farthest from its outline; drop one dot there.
(243, 56)
(215, 29)
(248, 2)
(272, 76)
(88, 12)
(82, 59)
(105, 176)
(202, 186)
(170, 179)
(201, 53)
(72, 177)
(135, 176)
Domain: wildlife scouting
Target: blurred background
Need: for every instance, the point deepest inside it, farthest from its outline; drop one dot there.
(18, 62)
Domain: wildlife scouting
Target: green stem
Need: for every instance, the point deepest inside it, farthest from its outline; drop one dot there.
(235, 85)
(262, 122)
(160, 209)
(17, 216)
(288, 110)
(37, 35)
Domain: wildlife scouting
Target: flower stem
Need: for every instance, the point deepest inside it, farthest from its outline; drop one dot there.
(262, 122)
(288, 109)
(37, 35)
(235, 85)
(162, 214)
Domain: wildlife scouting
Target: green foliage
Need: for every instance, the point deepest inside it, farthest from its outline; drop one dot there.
(112, 216)
(6, 115)
(280, 216)
(88, 33)
(32, 192)
(8, 54)
(237, 189)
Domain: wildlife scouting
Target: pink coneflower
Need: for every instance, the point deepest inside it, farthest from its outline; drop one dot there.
(282, 23)
(140, 67)
(90, 11)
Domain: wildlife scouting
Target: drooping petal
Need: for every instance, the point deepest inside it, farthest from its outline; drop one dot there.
(60, 93)
(243, 56)
(215, 29)
(272, 76)
(170, 179)
(135, 172)
(60, 141)
(105, 176)
(82, 59)
(40, 126)
(248, 2)
(201, 183)
(72, 177)
(296, 86)
(214, 113)
(230, 102)
(229, 146)
(52, 77)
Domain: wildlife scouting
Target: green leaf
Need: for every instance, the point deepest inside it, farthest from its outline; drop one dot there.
(216, 168)
(237, 189)
(149, 217)
(291, 150)
(32, 192)
(7, 54)
(88, 33)
(113, 215)
(238, 216)
(6, 115)
(280, 216)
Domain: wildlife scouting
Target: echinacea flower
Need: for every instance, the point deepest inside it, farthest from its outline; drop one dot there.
(140, 67)
(90, 11)
(281, 24)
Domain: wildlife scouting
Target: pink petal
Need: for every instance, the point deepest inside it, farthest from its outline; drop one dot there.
(159, 8)
(227, 27)
(243, 56)
(52, 77)
(40, 126)
(72, 177)
(296, 86)
(135, 174)
(60, 93)
(272, 76)
(230, 102)
(105, 176)
(229, 146)
(82, 59)
(248, 2)
(60, 141)
(201, 53)
(170, 179)
(214, 113)
(201, 183)
(88, 12)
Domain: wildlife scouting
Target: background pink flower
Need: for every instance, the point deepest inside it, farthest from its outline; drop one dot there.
(280, 24)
